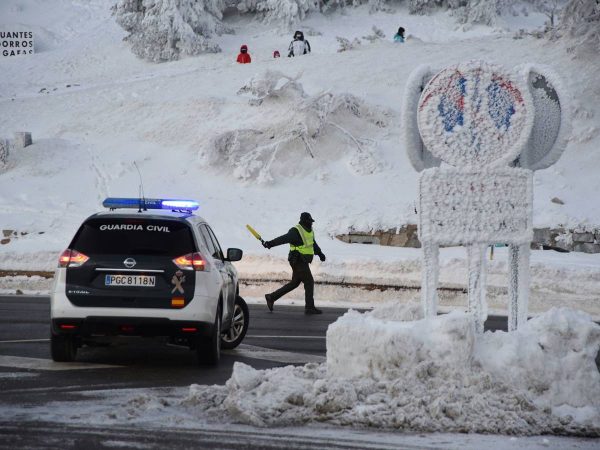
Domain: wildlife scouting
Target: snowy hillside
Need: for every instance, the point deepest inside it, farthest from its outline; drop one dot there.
(328, 143)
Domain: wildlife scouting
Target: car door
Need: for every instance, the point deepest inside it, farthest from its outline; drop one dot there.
(219, 261)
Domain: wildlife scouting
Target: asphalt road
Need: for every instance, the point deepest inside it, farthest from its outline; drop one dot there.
(273, 339)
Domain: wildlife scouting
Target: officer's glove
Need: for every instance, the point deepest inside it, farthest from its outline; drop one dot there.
(322, 257)
(266, 244)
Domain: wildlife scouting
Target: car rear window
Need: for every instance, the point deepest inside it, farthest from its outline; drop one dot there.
(134, 237)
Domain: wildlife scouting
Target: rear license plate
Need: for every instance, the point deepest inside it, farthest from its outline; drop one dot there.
(130, 280)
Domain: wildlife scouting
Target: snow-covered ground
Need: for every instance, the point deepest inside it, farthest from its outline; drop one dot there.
(94, 109)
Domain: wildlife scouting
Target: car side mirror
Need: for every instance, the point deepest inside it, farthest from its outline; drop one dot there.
(234, 254)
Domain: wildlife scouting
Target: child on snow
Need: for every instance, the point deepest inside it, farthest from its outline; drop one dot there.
(399, 36)
(299, 46)
(276, 54)
(244, 56)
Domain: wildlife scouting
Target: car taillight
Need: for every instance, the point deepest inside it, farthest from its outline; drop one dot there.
(72, 258)
(191, 261)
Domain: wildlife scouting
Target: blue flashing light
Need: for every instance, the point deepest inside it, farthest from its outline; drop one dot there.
(189, 205)
(150, 203)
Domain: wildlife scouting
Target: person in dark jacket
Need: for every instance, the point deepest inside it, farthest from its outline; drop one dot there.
(299, 46)
(244, 56)
(303, 247)
(399, 36)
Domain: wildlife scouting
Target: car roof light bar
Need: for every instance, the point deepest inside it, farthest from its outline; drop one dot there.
(150, 203)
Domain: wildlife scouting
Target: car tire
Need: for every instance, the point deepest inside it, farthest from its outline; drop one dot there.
(63, 348)
(239, 325)
(209, 348)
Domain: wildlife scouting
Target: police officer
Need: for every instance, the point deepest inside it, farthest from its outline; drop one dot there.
(302, 249)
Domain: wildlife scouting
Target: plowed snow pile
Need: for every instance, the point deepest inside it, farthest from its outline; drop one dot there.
(391, 369)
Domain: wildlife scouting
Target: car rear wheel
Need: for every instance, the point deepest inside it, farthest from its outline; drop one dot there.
(209, 348)
(239, 325)
(63, 348)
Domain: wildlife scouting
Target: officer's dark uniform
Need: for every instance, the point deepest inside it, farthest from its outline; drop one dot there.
(300, 264)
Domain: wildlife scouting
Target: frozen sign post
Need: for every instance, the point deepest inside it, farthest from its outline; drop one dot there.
(493, 128)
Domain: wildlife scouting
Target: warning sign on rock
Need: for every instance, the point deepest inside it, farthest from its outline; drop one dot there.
(16, 43)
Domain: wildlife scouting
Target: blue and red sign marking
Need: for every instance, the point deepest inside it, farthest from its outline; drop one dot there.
(471, 113)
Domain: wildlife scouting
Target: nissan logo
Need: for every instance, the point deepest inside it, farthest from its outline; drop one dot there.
(129, 263)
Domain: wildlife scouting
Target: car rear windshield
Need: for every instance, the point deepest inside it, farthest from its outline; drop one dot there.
(134, 237)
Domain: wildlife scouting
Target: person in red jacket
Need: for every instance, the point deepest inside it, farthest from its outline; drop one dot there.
(244, 56)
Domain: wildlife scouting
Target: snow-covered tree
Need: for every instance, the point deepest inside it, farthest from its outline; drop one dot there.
(580, 22)
(347, 44)
(165, 30)
(4, 150)
(423, 7)
(481, 11)
(550, 8)
(286, 13)
(378, 34)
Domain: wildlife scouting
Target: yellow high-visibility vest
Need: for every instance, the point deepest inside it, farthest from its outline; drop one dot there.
(308, 240)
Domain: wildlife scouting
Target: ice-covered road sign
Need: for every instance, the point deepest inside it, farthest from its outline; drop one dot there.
(481, 120)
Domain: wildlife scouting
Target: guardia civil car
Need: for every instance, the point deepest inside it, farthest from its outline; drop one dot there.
(147, 267)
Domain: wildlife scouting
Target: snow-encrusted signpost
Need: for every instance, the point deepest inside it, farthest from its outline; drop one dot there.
(492, 127)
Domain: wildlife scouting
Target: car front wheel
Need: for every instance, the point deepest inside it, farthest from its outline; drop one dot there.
(239, 325)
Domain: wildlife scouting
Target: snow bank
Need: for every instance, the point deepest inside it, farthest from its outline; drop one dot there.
(385, 369)
(552, 358)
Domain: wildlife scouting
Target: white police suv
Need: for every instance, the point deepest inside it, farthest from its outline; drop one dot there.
(147, 267)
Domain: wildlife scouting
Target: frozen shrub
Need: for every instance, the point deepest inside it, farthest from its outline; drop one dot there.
(377, 35)
(346, 44)
(166, 30)
(272, 83)
(315, 130)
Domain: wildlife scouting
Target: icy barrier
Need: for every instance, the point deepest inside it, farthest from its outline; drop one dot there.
(391, 369)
